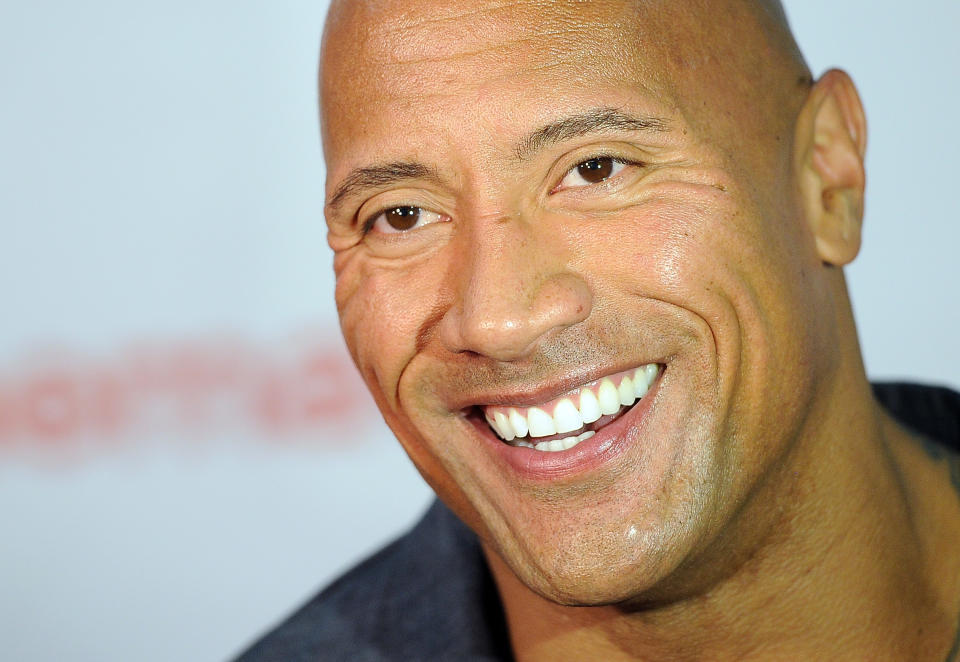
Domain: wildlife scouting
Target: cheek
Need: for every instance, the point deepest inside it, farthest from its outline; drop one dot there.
(737, 275)
(702, 250)
(382, 311)
(687, 247)
(748, 277)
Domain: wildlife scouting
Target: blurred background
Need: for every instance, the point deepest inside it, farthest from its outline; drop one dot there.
(185, 452)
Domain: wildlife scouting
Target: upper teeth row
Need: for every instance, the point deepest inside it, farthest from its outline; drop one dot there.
(572, 412)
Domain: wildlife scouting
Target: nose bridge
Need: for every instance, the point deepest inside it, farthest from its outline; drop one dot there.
(513, 287)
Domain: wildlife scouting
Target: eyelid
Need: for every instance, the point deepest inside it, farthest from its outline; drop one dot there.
(368, 222)
(368, 225)
(613, 156)
(367, 212)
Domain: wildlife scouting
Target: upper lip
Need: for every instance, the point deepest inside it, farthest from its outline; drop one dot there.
(544, 390)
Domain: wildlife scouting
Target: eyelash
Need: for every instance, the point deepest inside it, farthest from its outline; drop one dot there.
(372, 219)
(597, 157)
(368, 224)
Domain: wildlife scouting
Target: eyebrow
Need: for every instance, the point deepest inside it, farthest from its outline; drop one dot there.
(592, 121)
(598, 120)
(380, 175)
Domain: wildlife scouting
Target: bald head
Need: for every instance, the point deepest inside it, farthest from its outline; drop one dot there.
(730, 67)
(757, 23)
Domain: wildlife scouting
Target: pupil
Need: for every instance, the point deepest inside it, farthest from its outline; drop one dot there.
(403, 218)
(596, 170)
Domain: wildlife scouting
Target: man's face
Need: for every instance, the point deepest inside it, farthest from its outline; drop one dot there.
(558, 195)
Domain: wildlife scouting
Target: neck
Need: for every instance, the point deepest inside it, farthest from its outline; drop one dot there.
(857, 563)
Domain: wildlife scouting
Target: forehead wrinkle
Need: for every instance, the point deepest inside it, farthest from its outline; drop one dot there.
(538, 12)
(429, 89)
(395, 44)
(412, 19)
(496, 49)
(559, 64)
(413, 38)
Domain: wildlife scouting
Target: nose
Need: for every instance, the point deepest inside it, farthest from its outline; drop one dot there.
(512, 288)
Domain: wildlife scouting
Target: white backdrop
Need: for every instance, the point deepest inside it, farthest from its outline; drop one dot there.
(184, 455)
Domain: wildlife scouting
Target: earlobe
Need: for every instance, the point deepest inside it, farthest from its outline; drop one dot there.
(831, 144)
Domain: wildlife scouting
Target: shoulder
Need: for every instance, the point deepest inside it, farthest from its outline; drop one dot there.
(932, 411)
(427, 596)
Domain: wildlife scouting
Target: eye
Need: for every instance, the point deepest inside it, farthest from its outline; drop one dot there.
(592, 171)
(402, 219)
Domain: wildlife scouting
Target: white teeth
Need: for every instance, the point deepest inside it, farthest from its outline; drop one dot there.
(589, 407)
(554, 446)
(557, 445)
(608, 397)
(519, 423)
(503, 426)
(597, 400)
(652, 370)
(567, 417)
(644, 377)
(627, 397)
(540, 422)
(640, 383)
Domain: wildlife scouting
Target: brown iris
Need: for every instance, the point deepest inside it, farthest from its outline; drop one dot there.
(596, 170)
(402, 218)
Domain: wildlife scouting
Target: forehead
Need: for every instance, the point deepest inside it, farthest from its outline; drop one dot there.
(431, 44)
(389, 68)
(426, 80)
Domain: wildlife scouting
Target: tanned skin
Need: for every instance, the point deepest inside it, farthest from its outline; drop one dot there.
(761, 506)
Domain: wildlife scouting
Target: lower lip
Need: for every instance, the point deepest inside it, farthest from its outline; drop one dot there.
(609, 442)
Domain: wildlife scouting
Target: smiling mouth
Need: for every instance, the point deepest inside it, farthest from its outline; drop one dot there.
(575, 416)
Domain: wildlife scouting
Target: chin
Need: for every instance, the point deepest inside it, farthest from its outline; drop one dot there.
(580, 586)
(616, 564)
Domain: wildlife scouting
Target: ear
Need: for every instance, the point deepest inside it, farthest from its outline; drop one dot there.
(831, 143)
